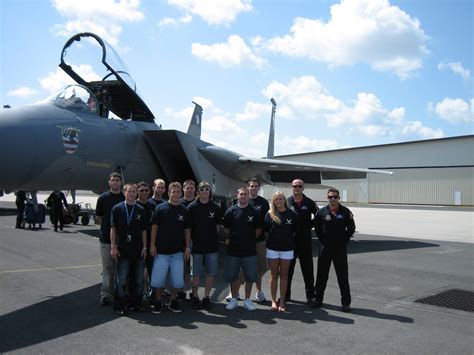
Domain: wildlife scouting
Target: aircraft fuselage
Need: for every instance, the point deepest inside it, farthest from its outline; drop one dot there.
(44, 147)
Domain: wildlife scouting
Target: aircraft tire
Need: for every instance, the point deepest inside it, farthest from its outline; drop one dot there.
(85, 220)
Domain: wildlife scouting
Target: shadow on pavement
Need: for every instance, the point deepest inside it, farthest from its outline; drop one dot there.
(53, 318)
(365, 312)
(370, 246)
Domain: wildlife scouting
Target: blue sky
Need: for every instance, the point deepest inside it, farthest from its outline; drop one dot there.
(344, 73)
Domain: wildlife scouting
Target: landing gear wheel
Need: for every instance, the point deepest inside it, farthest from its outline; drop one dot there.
(85, 220)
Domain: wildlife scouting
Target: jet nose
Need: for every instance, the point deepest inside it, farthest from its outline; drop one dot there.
(16, 148)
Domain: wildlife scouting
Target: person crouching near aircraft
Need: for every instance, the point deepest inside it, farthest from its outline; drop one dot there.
(104, 205)
(206, 219)
(149, 206)
(243, 225)
(128, 248)
(334, 225)
(280, 226)
(170, 234)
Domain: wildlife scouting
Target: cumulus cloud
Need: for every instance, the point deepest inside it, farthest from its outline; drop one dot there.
(417, 128)
(454, 110)
(301, 144)
(169, 21)
(58, 79)
(103, 17)
(222, 12)
(22, 91)
(456, 68)
(253, 111)
(306, 99)
(231, 54)
(359, 31)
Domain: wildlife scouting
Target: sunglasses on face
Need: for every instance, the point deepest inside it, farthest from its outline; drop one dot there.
(297, 186)
(204, 189)
(333, 197)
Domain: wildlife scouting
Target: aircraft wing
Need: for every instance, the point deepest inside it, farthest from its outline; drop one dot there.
(284, 170)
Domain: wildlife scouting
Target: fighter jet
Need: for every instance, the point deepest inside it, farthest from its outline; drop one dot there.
(75, 138)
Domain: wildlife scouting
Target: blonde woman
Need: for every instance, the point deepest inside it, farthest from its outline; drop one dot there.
(280, 226)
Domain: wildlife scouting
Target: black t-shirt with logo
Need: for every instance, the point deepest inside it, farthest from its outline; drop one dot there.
(281, 237)
(242, 223)
(130, 221)
(204, 217)
(103, 209)
(171, 221)
(261, 204)
(149, 207)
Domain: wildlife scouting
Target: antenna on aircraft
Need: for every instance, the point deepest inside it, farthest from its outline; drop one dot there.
(271, 135)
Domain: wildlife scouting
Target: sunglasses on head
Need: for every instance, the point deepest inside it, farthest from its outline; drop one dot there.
(297, 186)
(333, 197)
(204, 189)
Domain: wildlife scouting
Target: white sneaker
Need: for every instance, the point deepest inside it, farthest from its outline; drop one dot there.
(229, 297)
(260, 296)
(249, 306)
(233, 304)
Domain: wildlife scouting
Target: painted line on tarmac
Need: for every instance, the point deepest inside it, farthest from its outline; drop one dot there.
(50, 268)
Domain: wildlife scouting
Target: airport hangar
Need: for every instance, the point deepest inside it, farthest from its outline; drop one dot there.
(427, 172)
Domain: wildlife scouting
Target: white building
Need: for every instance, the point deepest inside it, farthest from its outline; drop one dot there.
(428, 172)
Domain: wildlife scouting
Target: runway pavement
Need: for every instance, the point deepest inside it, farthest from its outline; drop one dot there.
(49, 291)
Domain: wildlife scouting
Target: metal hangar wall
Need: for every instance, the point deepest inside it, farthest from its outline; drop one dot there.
(427, 172)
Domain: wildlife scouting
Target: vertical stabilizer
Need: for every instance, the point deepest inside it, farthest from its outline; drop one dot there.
(271, 134)
(194, 128)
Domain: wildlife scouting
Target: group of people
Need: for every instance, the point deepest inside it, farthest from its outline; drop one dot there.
(160, 242)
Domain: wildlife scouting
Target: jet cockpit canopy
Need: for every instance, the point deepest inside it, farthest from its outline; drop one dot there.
(105, 75)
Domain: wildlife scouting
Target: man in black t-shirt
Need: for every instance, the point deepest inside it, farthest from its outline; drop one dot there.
(170, 235)
(305, 208)
(104, 205)
(128, 248)
(189, 195)
(206, 219)
(243, 224)
(261, 204)
(149, 205)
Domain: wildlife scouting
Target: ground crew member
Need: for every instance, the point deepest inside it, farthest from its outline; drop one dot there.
(334, 225)
(20, 206)
(56, 203)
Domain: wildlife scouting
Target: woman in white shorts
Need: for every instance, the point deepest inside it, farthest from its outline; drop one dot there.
(280, 225)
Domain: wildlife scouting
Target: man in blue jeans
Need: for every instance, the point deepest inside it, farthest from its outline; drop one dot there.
(170, 236)
(243, 225)
(128, 248)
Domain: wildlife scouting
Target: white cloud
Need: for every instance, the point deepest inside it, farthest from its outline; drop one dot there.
(253, 111)
(57, 80)
(222, 12)
(168, 21)
(417, 128)
(456, 68)
(22, 91)
(454, 110)
(100, 17)
(303, 144)
(231, 54)
(303, 96)
(359, 31)
(306, 99)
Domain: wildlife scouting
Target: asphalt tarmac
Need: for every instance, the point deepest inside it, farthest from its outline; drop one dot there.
(49, 292)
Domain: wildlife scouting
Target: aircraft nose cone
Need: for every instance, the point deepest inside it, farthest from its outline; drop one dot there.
(16, 150)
